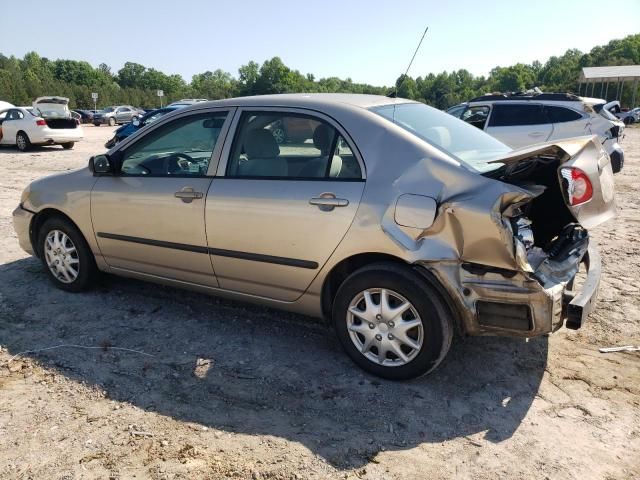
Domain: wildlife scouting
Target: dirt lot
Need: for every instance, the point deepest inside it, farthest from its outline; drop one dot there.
(228, 390)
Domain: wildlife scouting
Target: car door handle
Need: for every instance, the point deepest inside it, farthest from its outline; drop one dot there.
(328, 201)
(187, 195)
(536, 134)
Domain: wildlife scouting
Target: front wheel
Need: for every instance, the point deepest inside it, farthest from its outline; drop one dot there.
(66, 255)
(391, 322)
(112, 122)
(22, 142)
(68, 145)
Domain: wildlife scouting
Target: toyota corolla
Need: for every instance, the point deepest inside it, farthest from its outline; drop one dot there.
(396, 222)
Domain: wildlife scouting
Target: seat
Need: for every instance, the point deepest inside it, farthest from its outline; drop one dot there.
(323, 137)
(263, 158)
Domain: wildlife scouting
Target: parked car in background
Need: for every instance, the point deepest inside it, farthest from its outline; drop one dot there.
(408, 225)
(629, 117)
(47, 122)
(116, 115)
(520, 120)
(137, 123)
(85, 115)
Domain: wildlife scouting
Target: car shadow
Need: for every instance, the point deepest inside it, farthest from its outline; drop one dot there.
(11, 149)
(248, 369)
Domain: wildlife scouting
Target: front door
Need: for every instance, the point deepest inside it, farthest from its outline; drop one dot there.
(149, 218)
(276, 211)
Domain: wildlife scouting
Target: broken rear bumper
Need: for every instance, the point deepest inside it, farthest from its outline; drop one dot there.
(509, 303)
(579, 305)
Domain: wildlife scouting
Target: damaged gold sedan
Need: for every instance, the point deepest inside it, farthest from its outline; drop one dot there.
(398, 223)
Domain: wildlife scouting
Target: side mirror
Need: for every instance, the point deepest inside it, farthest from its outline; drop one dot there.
(136, 122)
(101, 165)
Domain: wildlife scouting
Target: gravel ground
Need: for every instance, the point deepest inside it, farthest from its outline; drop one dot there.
(229, 390)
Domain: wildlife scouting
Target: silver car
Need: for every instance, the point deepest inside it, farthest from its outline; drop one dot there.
(116, 115)
(396, 222)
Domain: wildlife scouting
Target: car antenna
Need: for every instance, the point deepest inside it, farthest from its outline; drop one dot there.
(394, 93)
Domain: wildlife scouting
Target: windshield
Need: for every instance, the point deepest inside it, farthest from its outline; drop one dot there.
(108, 110)
(464, 142)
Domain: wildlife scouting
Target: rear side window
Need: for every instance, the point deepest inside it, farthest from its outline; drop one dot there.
(561, 114)
(290, 146)
(512, 115)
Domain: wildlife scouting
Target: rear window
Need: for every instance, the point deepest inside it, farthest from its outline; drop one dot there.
(561, 114)
(512, 115)
(464, 142)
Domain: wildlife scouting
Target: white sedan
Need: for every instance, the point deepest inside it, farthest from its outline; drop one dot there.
(48, 122)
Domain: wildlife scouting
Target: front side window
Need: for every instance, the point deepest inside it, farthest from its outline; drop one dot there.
(182, 147)
(476, 116)
(288, 145)
(506, 115)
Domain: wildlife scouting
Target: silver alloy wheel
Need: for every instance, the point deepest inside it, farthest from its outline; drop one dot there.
(61, 256)
(385, 327)
(21, 142)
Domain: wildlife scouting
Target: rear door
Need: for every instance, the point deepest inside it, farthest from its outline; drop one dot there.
(519, 124)
(123, 114)
(276, 212)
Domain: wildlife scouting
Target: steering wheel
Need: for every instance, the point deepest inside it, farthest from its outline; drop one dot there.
(175, 162)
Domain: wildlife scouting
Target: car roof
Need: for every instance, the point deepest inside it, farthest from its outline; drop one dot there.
(309, 100)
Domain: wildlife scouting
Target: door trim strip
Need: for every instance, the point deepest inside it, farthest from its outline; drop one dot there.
(255, 257)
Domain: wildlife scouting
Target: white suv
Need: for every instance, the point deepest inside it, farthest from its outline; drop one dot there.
(522, 120)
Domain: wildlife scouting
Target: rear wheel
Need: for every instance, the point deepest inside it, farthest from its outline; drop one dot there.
(66, 255)
(391, 322)
(68, 145)
(22, 142)
(112, 122)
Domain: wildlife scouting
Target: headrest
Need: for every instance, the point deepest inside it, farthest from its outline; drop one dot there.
(322, 138)
(260, 144)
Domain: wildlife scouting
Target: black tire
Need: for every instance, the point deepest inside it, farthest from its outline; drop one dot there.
(628, 121)
(437, 323)
(22, 142)
(112, 122)
(87, 269)
(68, 145)
(96, 124)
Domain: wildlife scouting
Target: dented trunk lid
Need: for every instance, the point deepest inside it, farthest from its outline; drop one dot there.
(585, 154)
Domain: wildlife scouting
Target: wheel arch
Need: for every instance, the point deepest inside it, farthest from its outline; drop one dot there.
(42, 216)
(347, 266)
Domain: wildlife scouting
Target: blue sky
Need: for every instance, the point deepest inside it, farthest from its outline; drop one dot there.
(370, 41)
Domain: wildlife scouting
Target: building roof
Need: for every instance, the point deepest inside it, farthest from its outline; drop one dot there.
(610, 74)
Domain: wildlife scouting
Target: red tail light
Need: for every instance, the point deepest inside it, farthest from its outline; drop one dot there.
(41, 123)
(578, 186)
